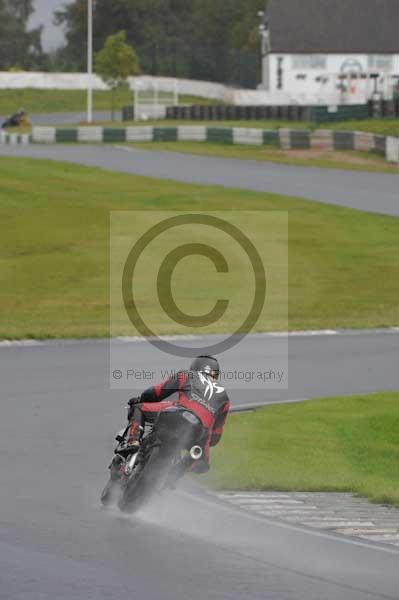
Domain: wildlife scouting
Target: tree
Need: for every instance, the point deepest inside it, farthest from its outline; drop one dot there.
(18, 45)
(216, 40)
(73, 18)
(116, 62)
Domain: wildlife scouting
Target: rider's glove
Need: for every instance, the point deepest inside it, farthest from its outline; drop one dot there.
(134, 401)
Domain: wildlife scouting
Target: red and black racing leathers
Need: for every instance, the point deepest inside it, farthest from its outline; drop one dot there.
(192, 390)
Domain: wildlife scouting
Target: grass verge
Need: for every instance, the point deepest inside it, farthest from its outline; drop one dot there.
(337, 444)
(54, 249)
(352, 161)
(36, 101)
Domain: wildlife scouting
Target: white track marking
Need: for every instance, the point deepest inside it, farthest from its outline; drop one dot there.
(294, 527)
(140, 339)
(21, 343)
(128, 149)
(341, 514)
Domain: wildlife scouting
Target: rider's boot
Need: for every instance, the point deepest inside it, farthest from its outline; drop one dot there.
(135, 435)
(115, 467)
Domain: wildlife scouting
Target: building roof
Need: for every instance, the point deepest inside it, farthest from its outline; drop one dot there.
(334, 26)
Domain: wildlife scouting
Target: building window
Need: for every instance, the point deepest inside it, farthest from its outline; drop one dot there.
(309, 61)
(380, 62)
(280, 73)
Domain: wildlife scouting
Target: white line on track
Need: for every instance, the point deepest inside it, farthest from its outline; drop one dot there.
(128, 149)
(22, 343)
(339, 513)
(139, 339)
(210, 500)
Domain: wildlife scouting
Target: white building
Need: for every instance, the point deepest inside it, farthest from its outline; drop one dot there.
(330, 51)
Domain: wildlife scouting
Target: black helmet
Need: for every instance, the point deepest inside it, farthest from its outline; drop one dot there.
(206, 364)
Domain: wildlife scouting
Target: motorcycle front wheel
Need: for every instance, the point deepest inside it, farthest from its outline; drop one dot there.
(143, 482)
(109, 493)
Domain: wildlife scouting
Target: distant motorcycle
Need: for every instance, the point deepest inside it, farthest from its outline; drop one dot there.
(168, 447)
(18, 119)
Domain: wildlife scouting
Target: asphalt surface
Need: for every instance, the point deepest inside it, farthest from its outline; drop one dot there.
(312, 366)
(375, 192)
(58, 416)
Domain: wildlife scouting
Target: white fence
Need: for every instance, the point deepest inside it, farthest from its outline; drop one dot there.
(187, 87)
(79, 81)
(48, 81)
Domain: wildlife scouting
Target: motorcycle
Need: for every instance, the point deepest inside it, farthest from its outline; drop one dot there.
(168, 448)
(18, 119)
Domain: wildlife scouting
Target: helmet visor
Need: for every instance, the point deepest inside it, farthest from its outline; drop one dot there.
(214, 374)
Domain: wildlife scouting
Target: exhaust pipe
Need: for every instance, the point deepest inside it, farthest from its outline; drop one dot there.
(196, 452)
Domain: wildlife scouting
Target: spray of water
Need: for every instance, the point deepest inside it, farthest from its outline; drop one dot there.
(188, 510)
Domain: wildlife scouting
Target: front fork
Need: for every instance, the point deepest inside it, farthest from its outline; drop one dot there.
(129, 464)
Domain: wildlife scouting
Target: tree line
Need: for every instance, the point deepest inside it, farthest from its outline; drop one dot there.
(20, 47)
(215, 40)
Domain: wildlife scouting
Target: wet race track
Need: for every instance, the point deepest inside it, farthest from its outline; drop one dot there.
(56, 438)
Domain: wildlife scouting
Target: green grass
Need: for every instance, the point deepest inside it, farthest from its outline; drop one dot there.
(336, 444)
(343, 264)
(353, 161)
(377, 126)
(48, 101)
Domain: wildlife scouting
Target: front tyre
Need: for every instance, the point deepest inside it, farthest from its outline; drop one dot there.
(143, 482)
(109, 493)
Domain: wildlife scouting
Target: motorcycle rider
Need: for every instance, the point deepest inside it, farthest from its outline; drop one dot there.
(196, 390)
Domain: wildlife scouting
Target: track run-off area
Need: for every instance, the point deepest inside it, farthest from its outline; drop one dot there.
(374, 192)
(56, 438)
